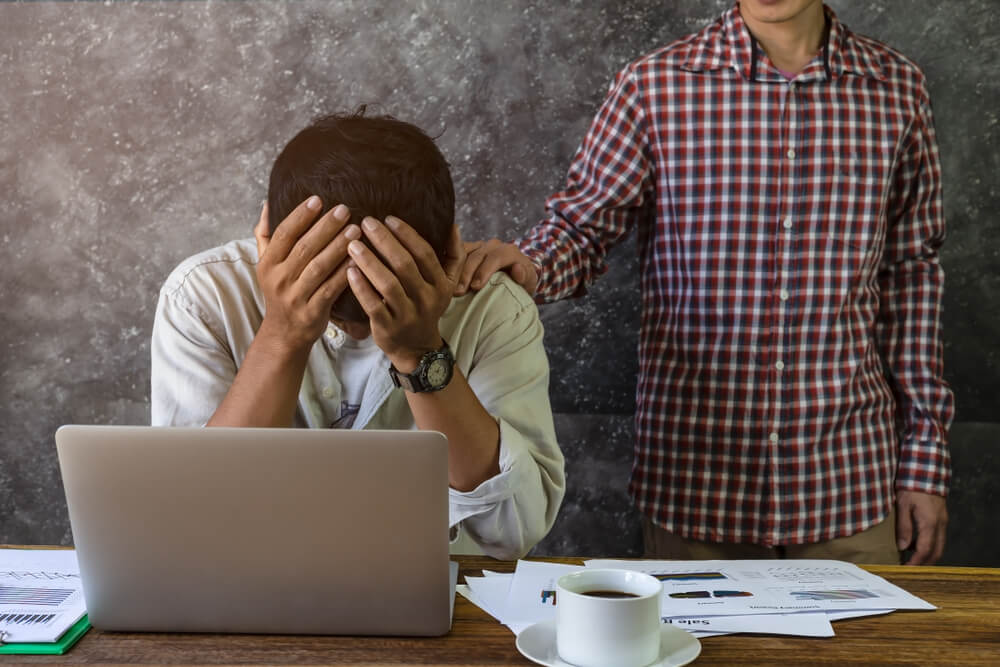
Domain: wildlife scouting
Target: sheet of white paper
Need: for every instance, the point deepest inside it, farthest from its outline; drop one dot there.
(842, 615)
(518, 628)
(40, 594)
(491, 592)
(521, 599)
(470, 595)
(801, 625)
(737, 587)
(466, 592)
(532, 594)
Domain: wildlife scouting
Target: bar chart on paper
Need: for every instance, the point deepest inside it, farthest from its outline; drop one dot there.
(40, 595)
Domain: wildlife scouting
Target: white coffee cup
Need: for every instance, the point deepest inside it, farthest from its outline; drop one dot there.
(597, 629)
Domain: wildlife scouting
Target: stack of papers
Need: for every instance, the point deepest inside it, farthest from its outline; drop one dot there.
(711, 597)
(42, 609)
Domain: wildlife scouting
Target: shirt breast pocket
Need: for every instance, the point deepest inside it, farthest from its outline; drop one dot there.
(861, 181)
(853, 218)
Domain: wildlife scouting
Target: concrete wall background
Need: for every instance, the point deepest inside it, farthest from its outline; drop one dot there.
(137, 133)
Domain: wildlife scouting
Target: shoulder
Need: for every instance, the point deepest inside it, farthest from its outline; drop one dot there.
(696, 51)
(896, 69)
(669, 56)
(234, 259)
(501, 289)
(221, 274)
(501, 300)
(710, 39)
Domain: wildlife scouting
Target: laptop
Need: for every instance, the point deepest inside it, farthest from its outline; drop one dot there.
(249, 530)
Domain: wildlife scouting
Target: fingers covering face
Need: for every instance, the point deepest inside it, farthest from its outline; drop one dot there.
(307, 254)
(454, 256)
(291, 228)
(261, 232)
(404, 253)
(421, 252)
(370, 300)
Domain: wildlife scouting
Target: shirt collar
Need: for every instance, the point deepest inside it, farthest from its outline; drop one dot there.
(728, 44)
(847, 54)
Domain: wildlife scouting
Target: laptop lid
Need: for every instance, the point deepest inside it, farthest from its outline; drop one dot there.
(297, 531)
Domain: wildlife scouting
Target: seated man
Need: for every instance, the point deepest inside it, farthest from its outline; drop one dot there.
(341, 316)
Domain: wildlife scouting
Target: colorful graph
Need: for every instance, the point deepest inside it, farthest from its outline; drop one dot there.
(689, 576)
(842, 594)
(690, 595)
(547, 596)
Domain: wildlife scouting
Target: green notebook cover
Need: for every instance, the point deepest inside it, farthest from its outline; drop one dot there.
(57, 647)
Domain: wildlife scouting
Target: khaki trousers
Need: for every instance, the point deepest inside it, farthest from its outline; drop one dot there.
(875, 546)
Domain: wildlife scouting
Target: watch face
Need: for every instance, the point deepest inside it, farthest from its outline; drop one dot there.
(437, 372)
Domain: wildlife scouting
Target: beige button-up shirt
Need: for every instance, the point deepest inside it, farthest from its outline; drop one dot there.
(211, 306)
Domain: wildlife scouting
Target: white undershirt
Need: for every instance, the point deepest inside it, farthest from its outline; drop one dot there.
(352, 365)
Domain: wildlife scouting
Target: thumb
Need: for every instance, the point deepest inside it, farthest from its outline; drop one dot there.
(261, 231)
(455, 254)
(525, 276)
(904, 526)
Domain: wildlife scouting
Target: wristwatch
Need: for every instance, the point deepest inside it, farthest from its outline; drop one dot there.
(433, 373)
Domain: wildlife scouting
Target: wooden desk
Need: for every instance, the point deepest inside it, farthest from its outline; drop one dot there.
(964, 631)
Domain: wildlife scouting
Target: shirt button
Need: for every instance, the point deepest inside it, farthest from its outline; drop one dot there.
(787, 223)
(780, 365)
(791, 153)
(327, 392)
(334, 335)
(783, 295)
(774, 437)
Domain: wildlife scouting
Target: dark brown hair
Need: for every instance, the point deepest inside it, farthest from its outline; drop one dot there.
(374, 165)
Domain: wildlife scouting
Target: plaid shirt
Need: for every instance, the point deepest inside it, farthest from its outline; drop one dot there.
(790, 357)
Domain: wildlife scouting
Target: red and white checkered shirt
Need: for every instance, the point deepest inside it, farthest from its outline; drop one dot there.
(790, 356)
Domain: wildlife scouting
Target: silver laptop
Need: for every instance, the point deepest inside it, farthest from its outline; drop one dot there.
(291, 531)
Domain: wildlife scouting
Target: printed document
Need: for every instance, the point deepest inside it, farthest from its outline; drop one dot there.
(40, 594)
(708, 598)
(734, 587)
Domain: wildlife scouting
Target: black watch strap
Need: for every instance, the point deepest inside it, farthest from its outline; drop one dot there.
(433, 372)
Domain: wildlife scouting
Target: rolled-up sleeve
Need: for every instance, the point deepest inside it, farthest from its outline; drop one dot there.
(509, 513)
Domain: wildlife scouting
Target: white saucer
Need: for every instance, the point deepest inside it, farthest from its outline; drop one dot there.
(538, 644)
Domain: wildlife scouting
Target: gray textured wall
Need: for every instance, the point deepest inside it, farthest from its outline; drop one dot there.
(135, 134)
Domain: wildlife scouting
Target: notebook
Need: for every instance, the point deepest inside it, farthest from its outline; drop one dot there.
(288, 531)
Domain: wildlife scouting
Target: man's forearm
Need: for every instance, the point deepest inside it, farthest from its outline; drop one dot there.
(473, 434)
(265, 390)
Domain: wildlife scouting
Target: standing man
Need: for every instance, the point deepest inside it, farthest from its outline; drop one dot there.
(783, 177)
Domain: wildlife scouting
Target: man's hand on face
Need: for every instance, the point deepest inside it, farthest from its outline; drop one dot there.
(302, 270)
(405, 299)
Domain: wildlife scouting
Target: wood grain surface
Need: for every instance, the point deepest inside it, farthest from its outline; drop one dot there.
(965, 630)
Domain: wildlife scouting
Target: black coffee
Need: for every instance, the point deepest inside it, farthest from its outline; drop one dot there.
(610, 594)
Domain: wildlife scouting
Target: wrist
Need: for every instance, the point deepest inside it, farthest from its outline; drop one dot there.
(432, 373)
(280, 345)
(406, 360)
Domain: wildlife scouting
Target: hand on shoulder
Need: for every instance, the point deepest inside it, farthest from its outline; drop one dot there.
(484, 258)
